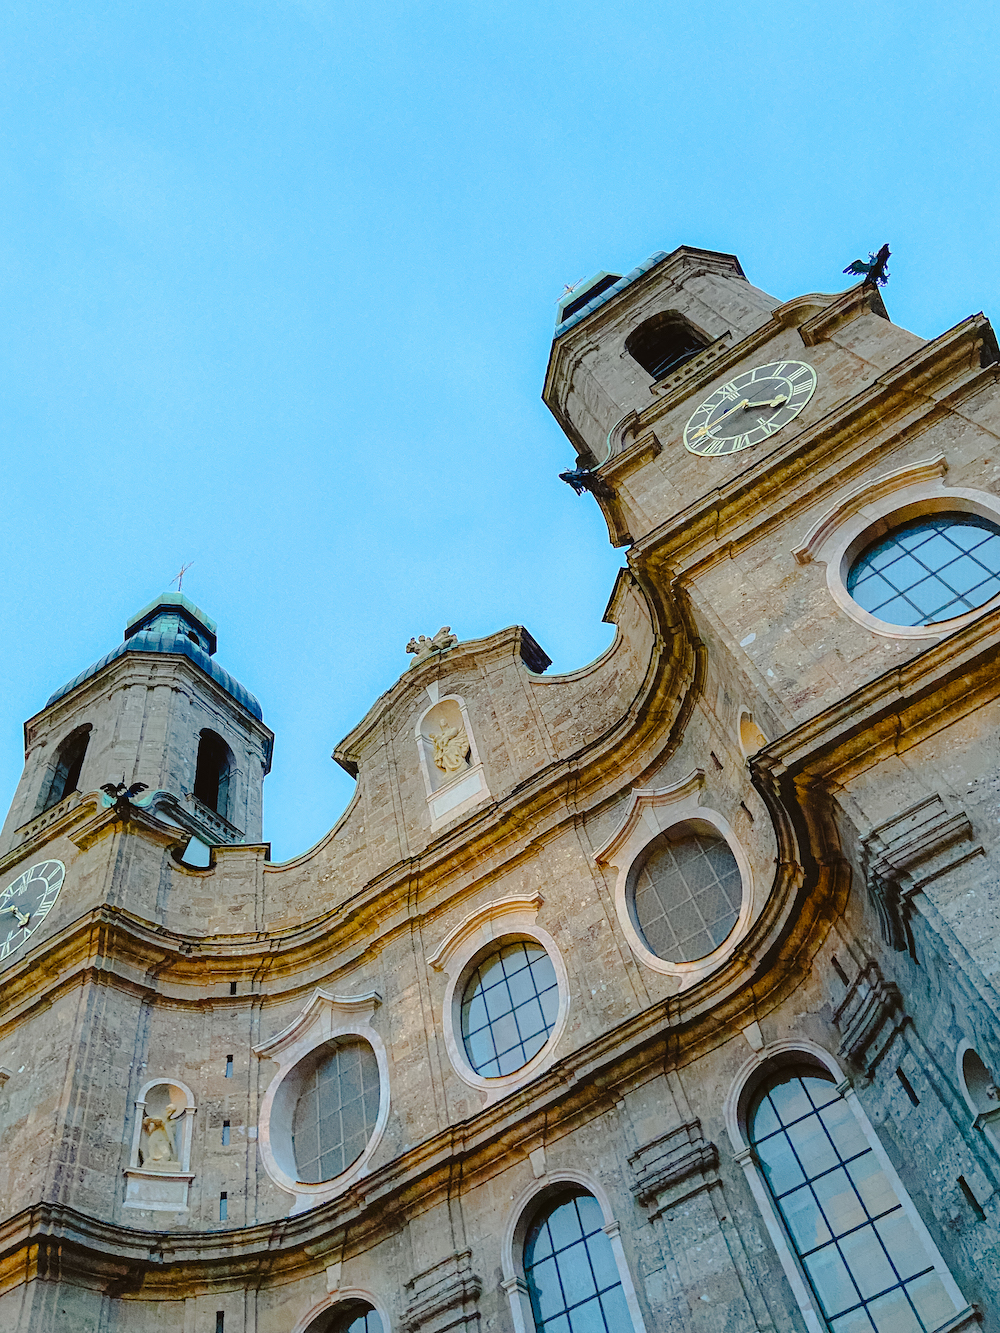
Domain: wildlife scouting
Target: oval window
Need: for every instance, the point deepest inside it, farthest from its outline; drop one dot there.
(685, 894)
(336, 1109)
(509, 1007)
(933, 569)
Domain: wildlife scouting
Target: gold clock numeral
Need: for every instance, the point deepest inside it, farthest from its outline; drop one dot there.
(729, 393)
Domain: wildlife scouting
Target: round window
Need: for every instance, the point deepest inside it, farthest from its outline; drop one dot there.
(932, 569)
(685, 894)
(336, 1109)
(509, 1008)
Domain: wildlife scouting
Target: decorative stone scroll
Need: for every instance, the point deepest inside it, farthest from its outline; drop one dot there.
(158, 1175)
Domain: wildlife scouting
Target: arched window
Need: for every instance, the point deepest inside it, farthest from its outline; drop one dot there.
(663, 343)
(932, 569)
(570, 1268)
(865, 1254)
(69, 761)
(211, 780)
(348, 1317)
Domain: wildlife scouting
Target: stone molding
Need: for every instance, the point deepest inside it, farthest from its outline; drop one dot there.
(871, 510)
(856, 500)
(444, 1296)
(674, 1167)
(918, 845)
(869, 1017)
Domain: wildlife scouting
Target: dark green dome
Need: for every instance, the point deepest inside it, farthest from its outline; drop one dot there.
(171, 624)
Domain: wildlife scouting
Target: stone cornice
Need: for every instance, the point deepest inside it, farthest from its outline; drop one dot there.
(158, 666)
(893, 712)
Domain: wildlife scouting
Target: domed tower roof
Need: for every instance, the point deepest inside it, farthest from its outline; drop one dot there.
(171, 624)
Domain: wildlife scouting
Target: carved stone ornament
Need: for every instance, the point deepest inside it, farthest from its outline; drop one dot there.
(444, 1297)
(908, 852)
(670, 1169)
(158, 1174)
(424, 648)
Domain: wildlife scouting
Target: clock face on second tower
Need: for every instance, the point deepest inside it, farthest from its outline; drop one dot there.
(750, 408)
(25, 904)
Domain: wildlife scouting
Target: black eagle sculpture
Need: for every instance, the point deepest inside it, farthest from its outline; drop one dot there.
(582, 479)
(122, 795)
(873, 270)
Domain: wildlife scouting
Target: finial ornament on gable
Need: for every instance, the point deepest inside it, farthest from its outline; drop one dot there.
(873, 270)
(424, 648)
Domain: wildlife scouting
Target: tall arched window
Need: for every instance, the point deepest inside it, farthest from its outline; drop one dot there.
(348, 1317)
(663, 343)
(570, 1268)
(69, 761)
(865, 1254)
(211, 780)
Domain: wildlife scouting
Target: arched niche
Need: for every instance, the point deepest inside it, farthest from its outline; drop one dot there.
(449, 759)
(981, 1093)
(158, 1175)
(751, 737)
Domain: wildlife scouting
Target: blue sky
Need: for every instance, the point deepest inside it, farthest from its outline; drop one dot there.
(279, 282)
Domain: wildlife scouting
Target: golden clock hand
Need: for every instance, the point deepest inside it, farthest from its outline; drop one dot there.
(709, 426)
(774, 402)
(22, 920)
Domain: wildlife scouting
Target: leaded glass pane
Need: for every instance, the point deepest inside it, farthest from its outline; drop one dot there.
(509, 1008)
(685, 897)
(336, 1110)
(869, 1269)
(354, 1319)
(570, 1269)
(929, 570)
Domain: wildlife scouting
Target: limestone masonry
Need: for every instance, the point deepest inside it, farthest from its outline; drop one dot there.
(660, 995)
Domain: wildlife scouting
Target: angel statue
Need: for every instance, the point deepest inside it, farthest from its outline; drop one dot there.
(160, 1153)
(451, 748)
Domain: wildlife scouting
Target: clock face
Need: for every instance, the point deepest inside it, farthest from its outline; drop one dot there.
(750, 408)
(25, 904)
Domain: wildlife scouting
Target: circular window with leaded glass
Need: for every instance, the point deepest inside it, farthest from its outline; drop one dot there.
(336, 1109)
(931, 569)
(684, 894)
(509, 1008)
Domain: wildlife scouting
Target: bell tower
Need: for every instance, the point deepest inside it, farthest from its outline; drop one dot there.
(159, 710)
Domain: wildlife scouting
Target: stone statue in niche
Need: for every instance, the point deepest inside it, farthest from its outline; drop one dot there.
(451, 748)
(445, 745)
(157, 1151)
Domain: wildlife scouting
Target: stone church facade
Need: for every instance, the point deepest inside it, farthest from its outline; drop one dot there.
(660, 995)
